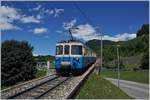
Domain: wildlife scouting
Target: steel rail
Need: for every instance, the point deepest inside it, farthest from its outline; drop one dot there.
(25, 83)
(13, 96)
(53, 87)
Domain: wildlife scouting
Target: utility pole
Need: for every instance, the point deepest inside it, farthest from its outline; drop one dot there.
(101, 53)
(118, 63)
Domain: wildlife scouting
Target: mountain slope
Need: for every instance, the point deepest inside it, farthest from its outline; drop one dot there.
(138, 46)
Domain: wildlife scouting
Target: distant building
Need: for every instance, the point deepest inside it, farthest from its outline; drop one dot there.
(41, 65)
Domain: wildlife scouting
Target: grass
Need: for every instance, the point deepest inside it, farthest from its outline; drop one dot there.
(98, 88)
(40, 73)
(126, 66)
(131, 66)
(136, 76)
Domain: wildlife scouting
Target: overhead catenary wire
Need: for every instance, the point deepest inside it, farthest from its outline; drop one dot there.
(83, 13)
(91, 23)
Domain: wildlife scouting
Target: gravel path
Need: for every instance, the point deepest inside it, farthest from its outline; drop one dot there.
(133, 89)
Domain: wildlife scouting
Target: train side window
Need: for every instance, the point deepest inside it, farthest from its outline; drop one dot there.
(67, 48)
(59, 50)
(76, 50)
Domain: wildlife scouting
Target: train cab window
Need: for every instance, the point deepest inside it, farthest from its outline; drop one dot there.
(59, 50)
(76, 50)
(67, 48)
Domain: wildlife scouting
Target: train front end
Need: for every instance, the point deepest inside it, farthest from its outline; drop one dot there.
(69, 59)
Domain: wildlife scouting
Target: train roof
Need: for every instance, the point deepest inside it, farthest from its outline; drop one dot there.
(74, 41)
(71, 41)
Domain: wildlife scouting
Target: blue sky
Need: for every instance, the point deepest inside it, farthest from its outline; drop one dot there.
(43, 24)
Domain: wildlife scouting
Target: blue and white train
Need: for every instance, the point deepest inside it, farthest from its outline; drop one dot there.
(73, 57)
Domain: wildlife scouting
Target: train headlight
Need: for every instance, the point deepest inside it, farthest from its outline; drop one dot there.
(57, 59)
(77, 59)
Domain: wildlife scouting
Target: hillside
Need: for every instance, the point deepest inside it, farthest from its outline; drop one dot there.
(95, 42)
(138, 46)
(41, 58)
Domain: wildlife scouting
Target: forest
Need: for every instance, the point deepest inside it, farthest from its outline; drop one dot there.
(137, 47)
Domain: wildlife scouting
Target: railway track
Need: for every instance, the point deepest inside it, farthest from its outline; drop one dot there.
(50, 87)
(41, 89)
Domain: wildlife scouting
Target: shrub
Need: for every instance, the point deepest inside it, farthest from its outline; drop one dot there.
(17, 62)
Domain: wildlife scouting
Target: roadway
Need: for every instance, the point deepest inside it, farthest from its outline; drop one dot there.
(133, 89)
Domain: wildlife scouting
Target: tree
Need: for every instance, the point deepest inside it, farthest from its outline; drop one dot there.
(45, 58)
(144, 30)
(121, 65)
(17, 62)
(145, 61)
(133, 47)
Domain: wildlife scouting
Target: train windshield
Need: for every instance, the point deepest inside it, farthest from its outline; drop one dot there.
(59, 50)
(67, 48)
(76, 50)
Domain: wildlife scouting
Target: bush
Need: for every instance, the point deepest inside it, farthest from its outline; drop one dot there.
(121, 65)
(145, 61)
(144, 30)
(17, 62)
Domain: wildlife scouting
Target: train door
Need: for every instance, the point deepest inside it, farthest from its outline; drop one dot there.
(66, 55)
(59, 53)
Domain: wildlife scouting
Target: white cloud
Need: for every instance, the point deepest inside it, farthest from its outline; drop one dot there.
(39, 30)
(88, 32)
(125, 36)
(35, 54)
(8, 26)
(67, 25)
(36, 8)
(85, 32)
(54, 12)
(8, 16)
(39, 17)
(48, 11)
(51, 12)
(118, 37)
(58, 31)
(29, 19)
(58, 11)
